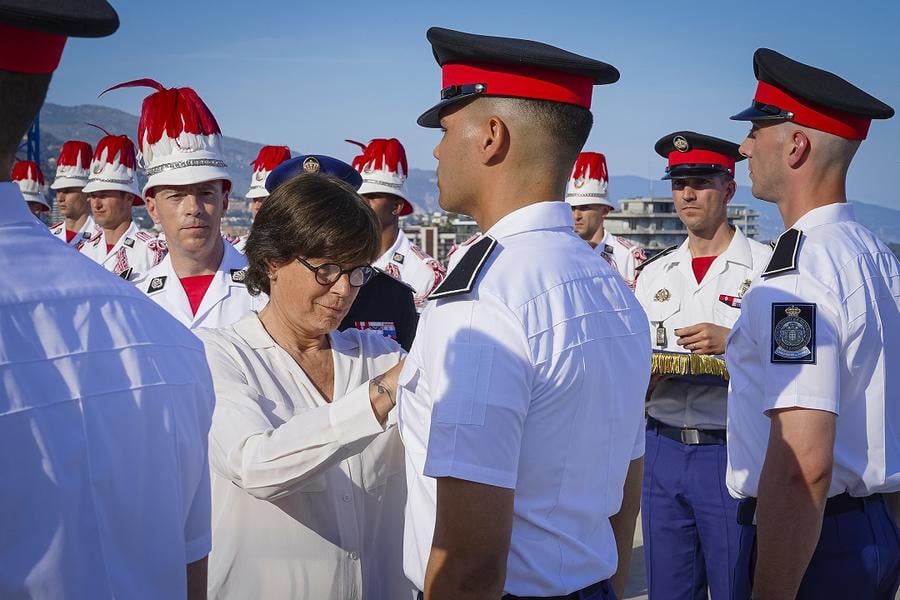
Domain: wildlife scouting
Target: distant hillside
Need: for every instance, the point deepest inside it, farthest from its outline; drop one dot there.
(59, 123)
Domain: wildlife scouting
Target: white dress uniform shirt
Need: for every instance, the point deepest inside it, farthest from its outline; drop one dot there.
(406, 262)
(226, 300)
(670, 295)
(87, 231)
(105, 406)
(622, 255)
(307, 495)
(533, 381)
(133, 254)
(840, 357)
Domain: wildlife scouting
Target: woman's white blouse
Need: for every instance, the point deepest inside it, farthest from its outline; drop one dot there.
(307, 495)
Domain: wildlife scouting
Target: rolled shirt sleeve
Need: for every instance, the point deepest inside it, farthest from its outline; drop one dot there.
(481, 394)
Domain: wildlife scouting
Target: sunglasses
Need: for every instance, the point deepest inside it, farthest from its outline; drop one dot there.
(329, 273)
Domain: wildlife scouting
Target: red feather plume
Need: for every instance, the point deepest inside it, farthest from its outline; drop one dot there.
(117, 145)
(590, 165)
(75, 152)
(381, 154)
(27, 170)
(270, 157)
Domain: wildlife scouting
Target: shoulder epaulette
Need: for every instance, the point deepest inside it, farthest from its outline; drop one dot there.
(660, 255)
(784, 254)
(461, 279)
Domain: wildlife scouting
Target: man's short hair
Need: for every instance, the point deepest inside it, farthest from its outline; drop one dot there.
(21, 97)
(567, 125)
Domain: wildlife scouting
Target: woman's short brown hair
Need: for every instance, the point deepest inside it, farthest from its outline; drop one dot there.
(310, 216)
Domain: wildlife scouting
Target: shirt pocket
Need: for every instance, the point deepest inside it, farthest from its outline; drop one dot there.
(462, 383)
(382, 460)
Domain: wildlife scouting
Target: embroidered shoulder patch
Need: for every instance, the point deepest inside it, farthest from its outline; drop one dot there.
(129, 242)
(156, 284)
(461, 279)
(398, 258)
(793, 332)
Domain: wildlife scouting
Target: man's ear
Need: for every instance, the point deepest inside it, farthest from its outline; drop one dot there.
(493, 140)
(798, 149)
(150, 203)
(730, 190)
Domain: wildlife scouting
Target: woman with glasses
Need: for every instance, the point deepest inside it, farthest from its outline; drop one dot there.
(307, 467)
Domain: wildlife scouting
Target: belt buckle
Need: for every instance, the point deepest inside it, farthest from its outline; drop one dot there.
(691, 437)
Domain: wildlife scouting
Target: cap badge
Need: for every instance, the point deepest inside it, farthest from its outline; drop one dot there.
(258, 176)
(579, 182)
(662, 295)
(311, 165)
(97, 168)
(681, 143)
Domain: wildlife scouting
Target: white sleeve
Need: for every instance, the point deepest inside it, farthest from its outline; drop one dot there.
(481, 393)
(268, 461)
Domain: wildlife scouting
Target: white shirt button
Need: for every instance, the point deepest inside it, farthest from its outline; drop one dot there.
(354, 556)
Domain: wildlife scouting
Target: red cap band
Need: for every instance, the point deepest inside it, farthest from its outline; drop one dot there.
(31, 52)
(813, 115)
(701, 157)
(522, 82)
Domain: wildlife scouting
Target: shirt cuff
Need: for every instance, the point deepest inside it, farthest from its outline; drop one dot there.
(478, 474)
(352, 416)
(198, 548)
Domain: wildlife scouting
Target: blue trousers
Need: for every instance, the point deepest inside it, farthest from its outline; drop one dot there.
(603, 592)
(858, 556)
(689, 520)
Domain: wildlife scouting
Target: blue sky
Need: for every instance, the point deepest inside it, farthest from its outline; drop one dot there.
(310, 74)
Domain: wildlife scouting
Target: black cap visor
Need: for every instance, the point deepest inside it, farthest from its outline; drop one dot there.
(763, 112)
(688, 171)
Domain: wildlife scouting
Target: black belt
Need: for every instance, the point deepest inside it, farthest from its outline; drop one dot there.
(687, 435)
(835, 505)
(600, 585)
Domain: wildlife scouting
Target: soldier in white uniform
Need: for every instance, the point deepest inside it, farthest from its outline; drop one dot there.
(813, 404)
(384, 171)
(201, 279)
(72, 170)
(27, 174)
(268, 158)
(521, 402)
(120, 246)
(587, 193)
(692, 295)
(106, 401)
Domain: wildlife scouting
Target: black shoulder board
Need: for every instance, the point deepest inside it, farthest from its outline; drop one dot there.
(126, 274)
(461, 279)
(156, 284)
(784, 256)
(660, 255)
(129, 242)
(238, 275)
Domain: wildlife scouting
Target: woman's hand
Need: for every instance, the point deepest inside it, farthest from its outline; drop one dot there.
(383, 392)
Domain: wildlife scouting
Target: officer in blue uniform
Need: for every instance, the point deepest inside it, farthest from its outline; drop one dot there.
(813, 405)
(384, 303)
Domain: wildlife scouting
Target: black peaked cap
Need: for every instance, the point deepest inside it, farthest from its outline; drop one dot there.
(451, 47)
(70, 18)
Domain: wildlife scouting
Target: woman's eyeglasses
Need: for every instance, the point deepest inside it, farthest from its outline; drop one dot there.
(329, 273)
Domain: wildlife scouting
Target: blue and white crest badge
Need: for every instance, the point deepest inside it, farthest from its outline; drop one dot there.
(793, 332)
